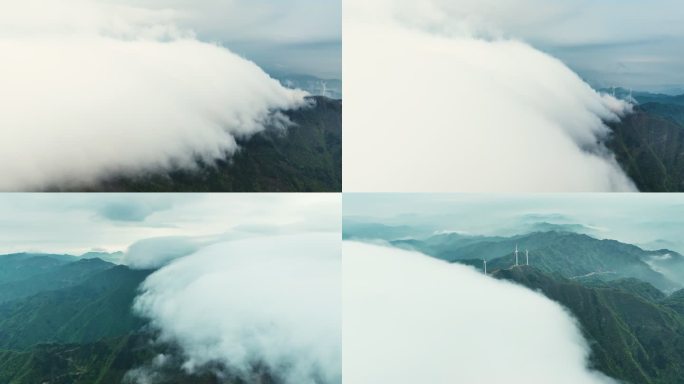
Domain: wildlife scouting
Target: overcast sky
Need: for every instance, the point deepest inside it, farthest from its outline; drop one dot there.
(289, 37)
(629, 43)
(78, 223)
(651, 220)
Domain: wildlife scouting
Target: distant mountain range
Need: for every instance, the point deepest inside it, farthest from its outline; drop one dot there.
(649, 144)
(331, 88)
(643, 97)
(305, 158)
(68, 320)
(571, 255)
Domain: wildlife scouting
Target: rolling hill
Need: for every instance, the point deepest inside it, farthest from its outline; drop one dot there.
(96, 308)
(19, 266)
(51, 275)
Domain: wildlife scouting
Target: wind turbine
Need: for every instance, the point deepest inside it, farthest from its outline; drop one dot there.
(516, 255)
(324, 88)
(631, 98)
(484, 261)
(527, 257)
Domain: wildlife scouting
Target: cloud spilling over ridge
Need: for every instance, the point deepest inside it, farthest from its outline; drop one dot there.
(449, 104)
(158, 251)
(409, 318)
(268, 302)
(90, 89)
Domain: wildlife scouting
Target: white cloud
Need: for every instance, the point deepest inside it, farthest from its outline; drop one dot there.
(90, 89)
(268, 301)
(608, 42)
(256, 21)
(409, 318)
(437, 109)
(156, 252)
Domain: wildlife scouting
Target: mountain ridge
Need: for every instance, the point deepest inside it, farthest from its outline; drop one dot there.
(571, 254)
(306, 157)
(631, 338)
(649, 143)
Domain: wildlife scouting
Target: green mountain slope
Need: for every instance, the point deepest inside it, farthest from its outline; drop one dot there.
(675, 302)
(454, 246)
(649, 145)
(56, 276)
(632, 339)
(308, 157)
(86, 333)
(97, 308)
(570, 254)
(104, 362)
(633, 286)
(20, 266)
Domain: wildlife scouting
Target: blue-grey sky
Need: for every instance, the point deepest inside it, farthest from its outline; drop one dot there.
(79, 223)
(630, 43)
(651, 220)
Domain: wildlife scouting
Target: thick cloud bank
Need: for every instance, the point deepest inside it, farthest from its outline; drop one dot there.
(443, 103)
(409, 318)
(158, 251)
(271, 302)
(89, 89)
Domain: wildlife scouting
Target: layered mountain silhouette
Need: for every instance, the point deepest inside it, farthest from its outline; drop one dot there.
(69, 320)
(572, 255)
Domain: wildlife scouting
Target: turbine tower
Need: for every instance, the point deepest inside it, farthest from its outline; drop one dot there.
(324, 88)
(516, 255)
(484, 261)
(527, 257)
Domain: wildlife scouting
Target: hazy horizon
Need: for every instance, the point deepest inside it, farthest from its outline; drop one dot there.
(649, 221)
(75, 224)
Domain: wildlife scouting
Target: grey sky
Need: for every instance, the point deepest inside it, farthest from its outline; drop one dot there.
(294, 36)
(78, 223)
(628, 43)
(652, 220)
